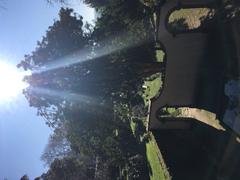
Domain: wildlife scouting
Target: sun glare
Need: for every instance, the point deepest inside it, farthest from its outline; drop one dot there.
(11, 82)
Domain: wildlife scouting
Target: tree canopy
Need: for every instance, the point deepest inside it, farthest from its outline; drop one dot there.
(72, 60)
(80, 75)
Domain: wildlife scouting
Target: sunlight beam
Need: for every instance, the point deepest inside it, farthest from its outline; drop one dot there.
(65, 95)
(86, 55)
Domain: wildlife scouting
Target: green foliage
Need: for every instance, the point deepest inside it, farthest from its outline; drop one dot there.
(58, 146)
(157, 166)
(25, 177)
(69, 168)
(153, 86)
(113, 67)
(62, 38)
(94, 136)
(87, 99)
(156, 161)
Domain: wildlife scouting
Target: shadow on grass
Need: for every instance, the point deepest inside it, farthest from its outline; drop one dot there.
(156, 166)
(200, 153)
(140, 131)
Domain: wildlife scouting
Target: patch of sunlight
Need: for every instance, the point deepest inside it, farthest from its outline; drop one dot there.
(152, 88)
(192, 16)
(157, 167)
(158, 170)
(86, 54)
(160, 55)
(201, 115)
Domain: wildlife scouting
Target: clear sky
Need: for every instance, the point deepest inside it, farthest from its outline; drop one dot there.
(23, 135)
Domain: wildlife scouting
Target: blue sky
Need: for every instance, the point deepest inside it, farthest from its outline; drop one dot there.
(23, 135)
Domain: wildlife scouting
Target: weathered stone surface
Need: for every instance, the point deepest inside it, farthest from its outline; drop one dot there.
(194, 67)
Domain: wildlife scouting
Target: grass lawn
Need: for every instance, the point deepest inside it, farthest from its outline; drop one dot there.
(158, 167)
(158, 170)
(192, 17)
(156, 162)
(153, 87)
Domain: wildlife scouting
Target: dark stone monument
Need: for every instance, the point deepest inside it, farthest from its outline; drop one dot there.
(194, 68)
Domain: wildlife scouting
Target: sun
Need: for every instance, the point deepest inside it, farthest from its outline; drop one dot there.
(11, 82)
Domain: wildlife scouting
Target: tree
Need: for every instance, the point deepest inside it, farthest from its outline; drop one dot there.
(79, 75)
(69, 168)
(105, 72)
(62, 38)
(25, 177)
(58, 146)
(102, 141)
